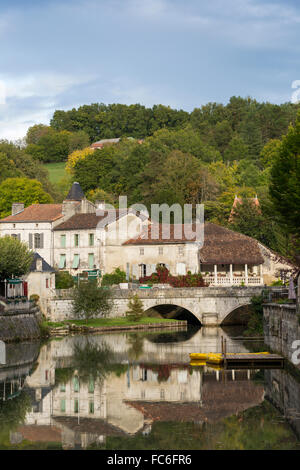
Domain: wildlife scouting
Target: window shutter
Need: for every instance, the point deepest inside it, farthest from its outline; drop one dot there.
(19, 236)
(30, 240)
(148, 270)
(41, 240)
(135, 271)
(153, 268)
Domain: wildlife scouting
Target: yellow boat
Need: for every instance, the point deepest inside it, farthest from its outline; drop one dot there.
(198, 363)
(199, 356)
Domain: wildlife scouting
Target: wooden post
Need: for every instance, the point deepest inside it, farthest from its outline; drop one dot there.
(225, 352)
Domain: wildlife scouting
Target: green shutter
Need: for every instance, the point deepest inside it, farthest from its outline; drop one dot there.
(63, 241)
(91, 260)
(63, 405)
(75, 262)
(62, 261)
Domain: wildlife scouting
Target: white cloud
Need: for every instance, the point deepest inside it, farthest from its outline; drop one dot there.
(32, 99)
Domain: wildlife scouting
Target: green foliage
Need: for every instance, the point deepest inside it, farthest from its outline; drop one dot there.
(116, 277)
(255, 323)
(285, 179)
(63, 280)
(91, 361)
(21, 190)
(135, 309)
(15, 257)
(48, 145)
(90, 301)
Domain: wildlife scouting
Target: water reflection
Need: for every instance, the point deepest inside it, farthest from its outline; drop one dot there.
(127, 390)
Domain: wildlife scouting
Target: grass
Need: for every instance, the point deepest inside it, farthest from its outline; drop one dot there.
(118, 321)
(56, 171)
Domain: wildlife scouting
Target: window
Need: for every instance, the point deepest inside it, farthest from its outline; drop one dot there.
(63, 241)
(62, 262)
(63, 405)
(38, 240)
(16, 235)
(141, 251)
(91, 260)
(47, 283)
(76, 384)
(180, 250)
(63, 387)
(91, 385)
(160, 250)
(143, 270)
(76, 239)
(76, 405)
(91, 407)
(75, 262)
(91, 239)
(162, 394)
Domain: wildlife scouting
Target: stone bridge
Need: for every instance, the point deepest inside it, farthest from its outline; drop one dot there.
(210, 305)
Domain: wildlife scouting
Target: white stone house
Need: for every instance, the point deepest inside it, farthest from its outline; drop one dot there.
(40, 280)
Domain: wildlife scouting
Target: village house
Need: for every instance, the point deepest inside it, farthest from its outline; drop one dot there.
(79, 236)
(226, 257)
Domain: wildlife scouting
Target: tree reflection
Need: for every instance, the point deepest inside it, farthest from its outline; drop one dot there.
(92, 361)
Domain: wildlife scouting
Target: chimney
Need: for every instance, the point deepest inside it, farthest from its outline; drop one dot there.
(100, 205)
(17, 207)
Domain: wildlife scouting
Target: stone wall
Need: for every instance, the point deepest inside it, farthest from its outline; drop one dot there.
(19, 327)
(281, 328)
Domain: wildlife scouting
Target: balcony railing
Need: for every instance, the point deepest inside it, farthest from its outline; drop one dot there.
(234, 280)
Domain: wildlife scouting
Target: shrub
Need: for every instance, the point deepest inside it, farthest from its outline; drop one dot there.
(115, 277)
(63, 280)
(35, 298)
(163, 276)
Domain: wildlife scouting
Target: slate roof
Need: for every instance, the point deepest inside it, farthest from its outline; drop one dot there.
(45, 266)
(92, 220)
(75, 193)
(221, 245)
(36, 213)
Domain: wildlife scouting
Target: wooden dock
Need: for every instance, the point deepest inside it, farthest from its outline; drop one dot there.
(246, 360)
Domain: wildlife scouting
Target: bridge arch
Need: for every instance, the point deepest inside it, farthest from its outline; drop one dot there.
(237, 316)
(173, 310)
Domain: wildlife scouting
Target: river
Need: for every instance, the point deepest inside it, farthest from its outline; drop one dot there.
(138, 391)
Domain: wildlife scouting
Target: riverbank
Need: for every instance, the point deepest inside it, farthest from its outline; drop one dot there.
(98, 325)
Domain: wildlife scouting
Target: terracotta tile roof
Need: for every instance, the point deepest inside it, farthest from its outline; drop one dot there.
(221, 245)
(43, 433)
(36, 213)
(96, 426)
(218, 402)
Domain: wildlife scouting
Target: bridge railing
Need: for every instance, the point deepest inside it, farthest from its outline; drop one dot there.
(233, 281)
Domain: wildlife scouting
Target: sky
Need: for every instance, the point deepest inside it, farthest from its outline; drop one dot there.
(60, 54)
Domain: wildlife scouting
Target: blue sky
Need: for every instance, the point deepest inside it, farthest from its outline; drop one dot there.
(59, 54)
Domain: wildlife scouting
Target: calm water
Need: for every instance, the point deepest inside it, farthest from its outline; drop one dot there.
(138, 391)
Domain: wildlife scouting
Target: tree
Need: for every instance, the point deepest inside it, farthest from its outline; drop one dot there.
(15, 258)
(90, 300)
(135, 309)
(285, 179)
(21, 190)
(250, 220)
